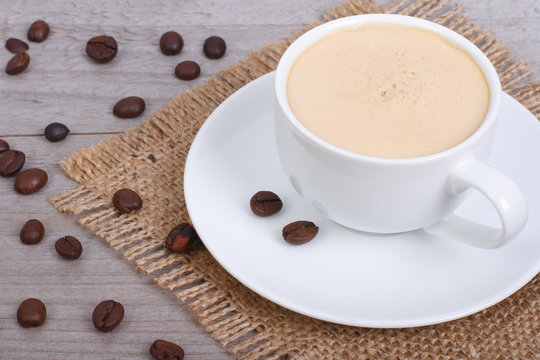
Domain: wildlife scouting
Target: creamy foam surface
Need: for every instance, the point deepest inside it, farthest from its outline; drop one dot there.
(388, 91)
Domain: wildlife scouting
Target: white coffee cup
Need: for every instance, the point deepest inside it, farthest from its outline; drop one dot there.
(382, 195)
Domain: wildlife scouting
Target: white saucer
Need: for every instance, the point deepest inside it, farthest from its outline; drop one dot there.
(345, 276)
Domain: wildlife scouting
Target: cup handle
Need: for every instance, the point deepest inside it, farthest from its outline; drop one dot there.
(501, 191)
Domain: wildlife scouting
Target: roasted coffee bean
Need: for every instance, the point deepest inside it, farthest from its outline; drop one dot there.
(32, 232)
(126, 201)
(107, 315)
(68, 247)
(171, 43)
(30, 181)
(187, 70)
(164, 350)
(16, 46)
(18, 64)
(129, 107)
(56, 132)
(4, 146)
(181, 237)
(299, 232)
(11, 161)
(102, 48)
(214, 47)
(265, 203)
(38, 31)
(31, 312)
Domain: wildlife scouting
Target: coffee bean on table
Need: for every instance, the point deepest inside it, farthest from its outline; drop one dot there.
(164, 350)
(4, 146)
(18, 64)
(31, 180)
(180, 238)
(32, 232)
(126, 200)
(300, 232)
(68, 247)
(265, 203)
(129, 107)
(107, 315)
(38, 31)
(214, 47)
(31, 312)
(16, 46)
(187, 70)
(56, 132)
(102, 48)
(171, 43)
(11, 161)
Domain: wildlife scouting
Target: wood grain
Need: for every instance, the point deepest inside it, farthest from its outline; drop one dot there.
(62, 84)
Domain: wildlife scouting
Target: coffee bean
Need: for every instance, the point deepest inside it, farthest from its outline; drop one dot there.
(129, 107)
(31, 312)
(299, 232)
(181, 237)
(102, 48)
(126, 200)
(214, 47)
(171, 43)
(56, 132)
(164, 350)
(18, 64)
(16, 46)
(107, 315)
(265, 203)
(4, 146)
(30, 181)
(38, 31)
(32, 232)
(68, 247)
(187, 70)
(11, 162)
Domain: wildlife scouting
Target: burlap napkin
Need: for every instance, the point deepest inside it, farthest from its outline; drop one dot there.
(151, 158)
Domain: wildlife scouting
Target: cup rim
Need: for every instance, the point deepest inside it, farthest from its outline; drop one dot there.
(307, 39)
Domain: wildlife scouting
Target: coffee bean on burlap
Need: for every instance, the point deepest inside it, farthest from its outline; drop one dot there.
(56, 132)
(126, 200)
(32, 232)
(102, 48)
(171, 43)
(129, 107)
(38, 31)
(31, 312)
(68, 247)
(11, 161)
(187, 70)
(181, 237)
(214, 47)
(164, 350)
(16, 46)
(299, 232)
(265, 203)
(18, 63)
(107, 315)
(31, 180)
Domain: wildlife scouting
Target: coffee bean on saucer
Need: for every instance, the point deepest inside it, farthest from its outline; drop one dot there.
(56, 132)
(171, 43)
(129, 107)
(265, 203)
(102, 48)
(11, 161)
(38, 31)
(187, 70)
(164, 350)
(214, 47)
(68, 247)
(126, 200)
(4, 146)
(32, 232)
(18, 64)
(107, 315)
(299, 232)
(16, 46)
(181, 237)
(31, 180)
(31, 312)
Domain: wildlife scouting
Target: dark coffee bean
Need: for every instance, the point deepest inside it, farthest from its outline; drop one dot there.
(181, 237)
(187, 70)
(4, 146)
(30, 181)
(102, 48)
(164, 350)
(32, 232)
(265, 203)
(299, 232)
(56, 132)
(214, 47)
(171, 43)
(129, 107)
(18, 64)
(11, 162)
(38, 31)
(31, 312)
(68, 247)
(107, 315)
(16, 46)
(126, 201)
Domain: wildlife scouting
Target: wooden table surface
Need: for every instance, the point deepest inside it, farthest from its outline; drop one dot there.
(62, 84)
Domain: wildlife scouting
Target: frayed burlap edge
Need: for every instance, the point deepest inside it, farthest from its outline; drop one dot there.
(151, 158)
